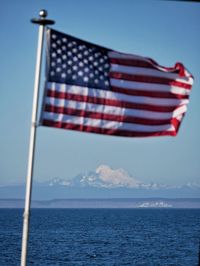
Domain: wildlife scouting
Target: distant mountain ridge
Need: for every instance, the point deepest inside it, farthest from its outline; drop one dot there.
(103, 177)
(104, 182)
(106, 177)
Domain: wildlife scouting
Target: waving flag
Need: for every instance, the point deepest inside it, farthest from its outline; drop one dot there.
(94, 89)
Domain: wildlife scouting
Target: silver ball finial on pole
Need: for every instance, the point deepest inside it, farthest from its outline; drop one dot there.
(43, 13)
(42, 20)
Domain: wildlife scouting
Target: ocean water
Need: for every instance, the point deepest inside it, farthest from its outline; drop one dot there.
(102, 237)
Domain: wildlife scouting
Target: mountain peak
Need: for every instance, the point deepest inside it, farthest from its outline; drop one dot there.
(116, 177)
(104, 182)
(103, 177)
(108, 178)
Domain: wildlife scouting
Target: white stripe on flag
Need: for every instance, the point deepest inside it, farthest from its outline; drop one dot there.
(149, 72)
(105, 124)
(103, 109)
(106, 94)
(125, 84)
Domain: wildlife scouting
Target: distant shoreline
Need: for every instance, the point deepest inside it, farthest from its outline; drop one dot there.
(115, 203)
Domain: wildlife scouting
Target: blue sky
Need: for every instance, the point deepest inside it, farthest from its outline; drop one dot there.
(165, 31)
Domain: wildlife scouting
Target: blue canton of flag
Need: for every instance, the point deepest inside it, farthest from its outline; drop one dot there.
(73, 61)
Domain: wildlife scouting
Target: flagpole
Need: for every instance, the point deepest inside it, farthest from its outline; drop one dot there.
(42, 22)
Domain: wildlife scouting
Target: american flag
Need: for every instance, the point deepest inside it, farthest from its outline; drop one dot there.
(94, 89)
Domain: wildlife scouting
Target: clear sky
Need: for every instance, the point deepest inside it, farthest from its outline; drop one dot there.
(165, 31)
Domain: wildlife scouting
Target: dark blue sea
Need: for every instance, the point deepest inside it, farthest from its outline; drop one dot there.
(102, 237)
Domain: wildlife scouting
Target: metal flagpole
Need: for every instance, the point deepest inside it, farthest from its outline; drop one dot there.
(42, 21)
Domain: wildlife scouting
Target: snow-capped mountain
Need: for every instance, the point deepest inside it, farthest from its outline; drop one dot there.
(104, 182)
(106, 177)
(103, 177)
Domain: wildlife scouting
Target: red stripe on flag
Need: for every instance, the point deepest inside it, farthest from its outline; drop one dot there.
(103, 116)
(110, 102)
(115, 132)
(150, 63)
(154, 94)
(148, 79)
(131, 62)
